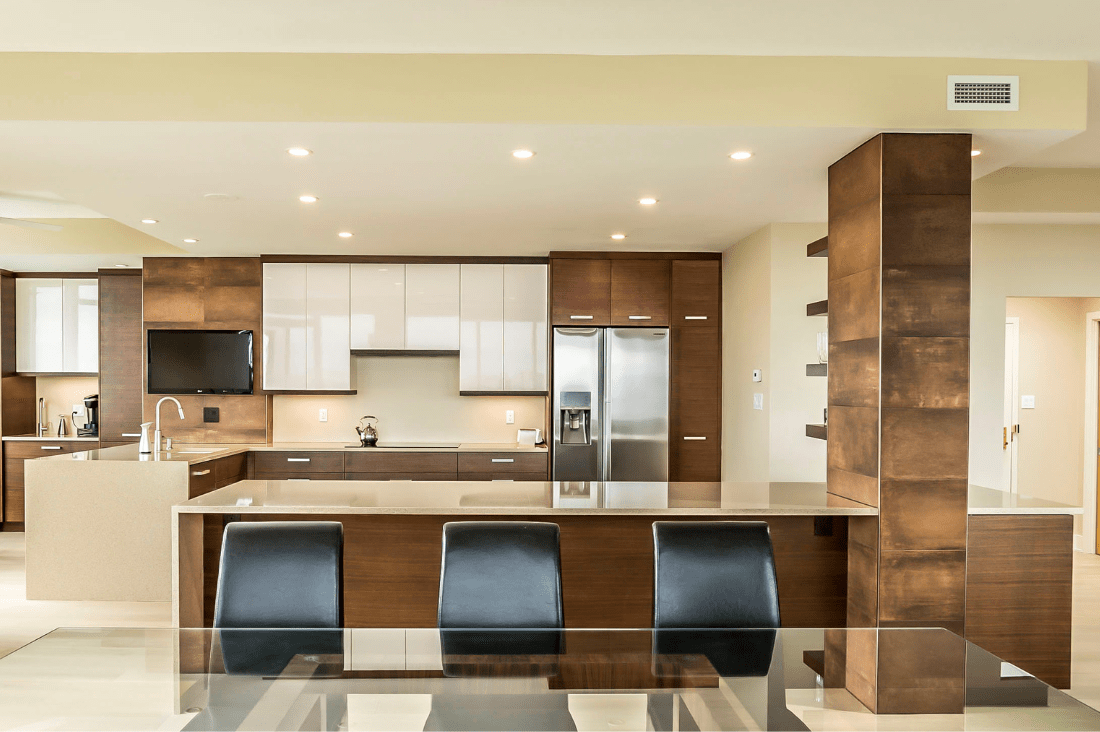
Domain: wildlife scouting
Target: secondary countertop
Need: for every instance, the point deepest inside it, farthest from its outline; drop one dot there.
(523, 498)
(193, 454)
(48, 438)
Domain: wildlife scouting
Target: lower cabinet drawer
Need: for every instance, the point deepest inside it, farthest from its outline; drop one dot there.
(400, 462)
(299, 462)
(35, 449)
(200, 479)
(505, 476)
(502, 462)
(399, 476)
(228, 470)
(298, 476)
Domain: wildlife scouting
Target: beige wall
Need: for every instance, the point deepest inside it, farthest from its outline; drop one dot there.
(1013, 260)
(746, 318)
(414, 398)
(1052, 369)
(768, 280)
(61, 393)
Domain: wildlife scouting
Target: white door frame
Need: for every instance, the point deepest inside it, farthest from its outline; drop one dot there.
(1092, 378)
(1011, 480)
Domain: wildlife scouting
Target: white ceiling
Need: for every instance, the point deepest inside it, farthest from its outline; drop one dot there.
(439, 188)
(1037, 29)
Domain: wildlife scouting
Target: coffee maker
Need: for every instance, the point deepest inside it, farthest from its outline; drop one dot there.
(91, 407)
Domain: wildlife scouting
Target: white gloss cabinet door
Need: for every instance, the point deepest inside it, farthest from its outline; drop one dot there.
(328, 327)
(80, 325)
(481, 350)
(431, 307)
(39, 314)
(378, 306)
(284, 344)
(525, 333)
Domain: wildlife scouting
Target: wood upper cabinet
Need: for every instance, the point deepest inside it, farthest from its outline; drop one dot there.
(696, 292)
(581, 291)
(640, 292)
(121, 358)
(695, 449)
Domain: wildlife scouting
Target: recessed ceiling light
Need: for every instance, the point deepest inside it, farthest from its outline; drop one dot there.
(148, 221)
(299, 152)
(189, 241)
(522, 154)
(975, 153)
(617, 237)
(344, 235)
(647, 201)
(741, 155)
(308, 199)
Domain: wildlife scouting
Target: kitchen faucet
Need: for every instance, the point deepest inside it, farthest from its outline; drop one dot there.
(42, 426)
(156, 431)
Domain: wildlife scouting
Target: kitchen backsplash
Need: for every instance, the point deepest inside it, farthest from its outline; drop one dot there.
(61, 393)
(414, 398)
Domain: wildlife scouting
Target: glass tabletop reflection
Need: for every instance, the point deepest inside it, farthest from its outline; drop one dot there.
(474, 679)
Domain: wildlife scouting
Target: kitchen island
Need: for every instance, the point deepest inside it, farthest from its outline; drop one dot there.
(99, 522)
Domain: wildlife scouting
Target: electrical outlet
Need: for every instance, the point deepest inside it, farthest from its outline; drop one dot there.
(322, 415)
(510, 417)
(211, 414)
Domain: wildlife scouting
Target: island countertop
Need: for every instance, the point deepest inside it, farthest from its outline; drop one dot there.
(523, 498)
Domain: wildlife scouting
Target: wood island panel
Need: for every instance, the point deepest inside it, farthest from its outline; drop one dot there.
(392, 562)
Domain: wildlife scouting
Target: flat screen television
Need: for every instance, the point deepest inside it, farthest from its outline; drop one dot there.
(200, 362)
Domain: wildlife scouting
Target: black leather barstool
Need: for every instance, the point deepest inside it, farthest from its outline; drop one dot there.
(715, 593)
(501, 575)
(279, 575)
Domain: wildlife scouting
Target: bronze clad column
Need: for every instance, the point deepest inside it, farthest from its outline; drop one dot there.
(899, 330)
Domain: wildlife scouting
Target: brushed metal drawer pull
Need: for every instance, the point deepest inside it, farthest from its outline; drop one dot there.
(639, 317)
(695, 317)
(297, 460)
(695, 438)
(50, 447)
(580, 317)
(198, 473)
(504, 460)
(131, 434)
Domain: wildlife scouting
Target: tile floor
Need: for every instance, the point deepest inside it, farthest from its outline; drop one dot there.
(22, 621)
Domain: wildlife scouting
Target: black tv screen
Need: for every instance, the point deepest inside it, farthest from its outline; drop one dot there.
(200, 362)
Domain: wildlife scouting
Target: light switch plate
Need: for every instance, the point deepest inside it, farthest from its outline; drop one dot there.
(757, 375)
(322, 415)
(757, 401)
(1027, 402)
(510, 417)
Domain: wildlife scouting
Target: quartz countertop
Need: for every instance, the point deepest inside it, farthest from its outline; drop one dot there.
(48, 438)
(984, 501)
(192, 454)
(523, 498)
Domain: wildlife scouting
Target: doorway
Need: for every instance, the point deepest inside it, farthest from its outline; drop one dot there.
(1011, 405)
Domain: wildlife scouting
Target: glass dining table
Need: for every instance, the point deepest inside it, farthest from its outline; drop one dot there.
(425, 679)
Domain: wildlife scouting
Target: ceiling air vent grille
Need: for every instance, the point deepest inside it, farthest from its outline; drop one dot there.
(984, 92)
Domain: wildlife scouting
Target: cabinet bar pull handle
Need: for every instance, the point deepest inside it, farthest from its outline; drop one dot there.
(504, 460)
(198, 473)
(580, 317)
(639, 317)
(50, 447)
(695, 438)
(131, 434)
(695, 317)
(297, 460)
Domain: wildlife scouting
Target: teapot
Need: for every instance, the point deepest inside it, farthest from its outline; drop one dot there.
(368, 434)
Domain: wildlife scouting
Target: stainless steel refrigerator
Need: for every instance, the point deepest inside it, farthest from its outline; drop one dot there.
(611, 404)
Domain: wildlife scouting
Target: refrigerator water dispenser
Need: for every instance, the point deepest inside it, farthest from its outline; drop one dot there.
(576, 418)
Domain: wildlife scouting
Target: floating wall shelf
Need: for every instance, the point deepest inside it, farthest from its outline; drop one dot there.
(817, 431)
(819, 248)
(818, 308)
(817, 369)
